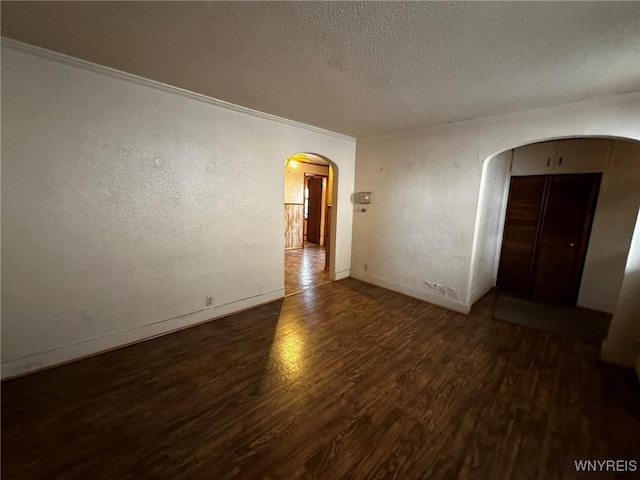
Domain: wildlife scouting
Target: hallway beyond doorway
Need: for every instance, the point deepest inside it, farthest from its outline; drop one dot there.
(304, 268)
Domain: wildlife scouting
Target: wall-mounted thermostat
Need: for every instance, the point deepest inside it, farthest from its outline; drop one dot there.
(363, 198)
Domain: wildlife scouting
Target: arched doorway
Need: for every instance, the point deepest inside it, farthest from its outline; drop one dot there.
(309, 208)
(607, 235)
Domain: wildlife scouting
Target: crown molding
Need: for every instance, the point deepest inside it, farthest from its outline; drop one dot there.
(129, 77)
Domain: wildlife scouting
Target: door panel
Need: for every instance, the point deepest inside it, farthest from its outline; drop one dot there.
(521, 226)
(564, 236)
(547, 228)
(315, 209)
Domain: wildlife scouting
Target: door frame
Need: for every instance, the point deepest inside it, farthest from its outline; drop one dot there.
(340, 212)
(323, 207)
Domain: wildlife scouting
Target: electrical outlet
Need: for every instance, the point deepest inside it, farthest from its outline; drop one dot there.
(209, 301)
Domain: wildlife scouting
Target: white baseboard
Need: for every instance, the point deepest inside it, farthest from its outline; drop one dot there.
(481, 292)
(449, 303)
(38, 361)
(623, 355)
(341, 275)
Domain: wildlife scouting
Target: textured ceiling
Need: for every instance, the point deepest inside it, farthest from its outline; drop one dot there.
(358, 68)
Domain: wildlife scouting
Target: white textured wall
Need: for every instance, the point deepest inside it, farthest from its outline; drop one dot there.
(612, 229)
(124, 205)
(622, 346)
(492, 205)
(426, 186)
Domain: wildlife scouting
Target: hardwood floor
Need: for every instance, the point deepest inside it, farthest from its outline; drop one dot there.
(346, 380)
(304, 268)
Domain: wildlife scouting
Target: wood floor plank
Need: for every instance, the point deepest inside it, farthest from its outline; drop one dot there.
(304, 268)
(346, 380)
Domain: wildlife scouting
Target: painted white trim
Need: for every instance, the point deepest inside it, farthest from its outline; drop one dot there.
(476, 231)
(473, 297)
(19, 366)
(342, 274)
(481, 292)
(112, 72)
(503, 219)
(447, 303)
(623, 355)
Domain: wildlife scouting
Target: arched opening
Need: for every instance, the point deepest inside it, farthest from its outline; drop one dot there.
(310, 197)
(600, 267)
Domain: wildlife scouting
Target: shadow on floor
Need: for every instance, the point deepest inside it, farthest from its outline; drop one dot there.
(587, 326)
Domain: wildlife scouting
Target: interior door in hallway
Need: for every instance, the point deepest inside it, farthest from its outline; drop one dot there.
(524, 210)
(314, 218)
(546, 235)
(562, 245)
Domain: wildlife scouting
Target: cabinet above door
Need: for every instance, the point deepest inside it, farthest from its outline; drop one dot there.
(581, 155)
(534, 159)
(577, 155)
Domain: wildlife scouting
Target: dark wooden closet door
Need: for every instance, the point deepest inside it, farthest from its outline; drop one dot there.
(562, 246)
(314, 218)
(524, 211)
